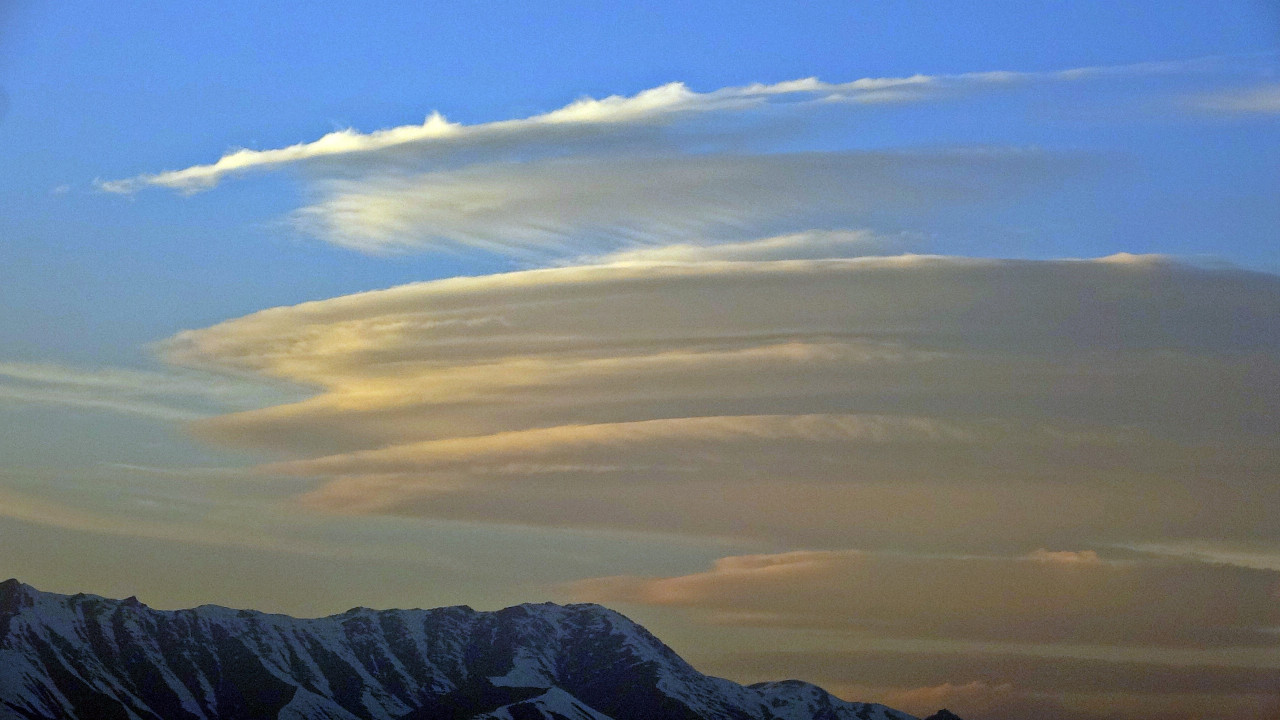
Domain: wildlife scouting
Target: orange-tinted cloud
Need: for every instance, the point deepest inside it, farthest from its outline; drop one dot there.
(1043, 597)
(873, 402)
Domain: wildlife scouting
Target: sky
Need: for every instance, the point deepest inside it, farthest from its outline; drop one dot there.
(926, 351)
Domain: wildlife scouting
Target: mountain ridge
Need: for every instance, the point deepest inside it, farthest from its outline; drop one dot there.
(86, 656)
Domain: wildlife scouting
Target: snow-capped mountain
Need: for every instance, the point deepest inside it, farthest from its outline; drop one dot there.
(83, 656)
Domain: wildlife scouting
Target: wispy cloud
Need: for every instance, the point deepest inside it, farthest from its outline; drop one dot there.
(1257, 100)
(567, 207)
(666, 166)
(242, 523)
(164, 395)
(656, 105)
(809, 245)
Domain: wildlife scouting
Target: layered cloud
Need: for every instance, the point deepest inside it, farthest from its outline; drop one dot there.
(1044, 597)
(843, 402)
(1072, 635)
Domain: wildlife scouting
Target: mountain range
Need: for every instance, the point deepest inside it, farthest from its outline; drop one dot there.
(88, 657)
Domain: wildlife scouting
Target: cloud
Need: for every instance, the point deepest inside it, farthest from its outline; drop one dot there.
(1018, 686)
(808, 245)
(1038, 598)
(836, 402)
(566, 207)
(243, 529)
(1026, 671)
(666, 166)
(163, 395)
(588, 116)
(1259, 100)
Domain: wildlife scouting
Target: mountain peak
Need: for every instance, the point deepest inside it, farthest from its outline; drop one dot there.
(13, 594)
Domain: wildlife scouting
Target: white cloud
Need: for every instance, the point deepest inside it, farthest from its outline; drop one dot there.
(567, 207)
(809, 245)
(655, 105)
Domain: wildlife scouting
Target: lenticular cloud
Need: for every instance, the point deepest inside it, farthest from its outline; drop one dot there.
(834, 401)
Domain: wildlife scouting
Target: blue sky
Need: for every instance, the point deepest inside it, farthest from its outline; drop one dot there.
(106, 92)
(745, 323)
